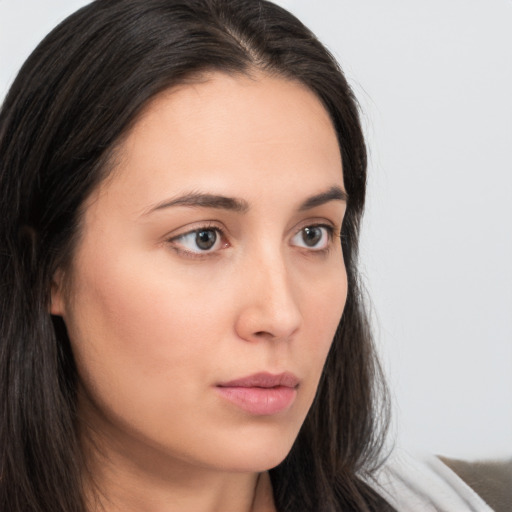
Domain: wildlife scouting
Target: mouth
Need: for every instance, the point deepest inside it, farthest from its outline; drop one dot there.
(261, 394)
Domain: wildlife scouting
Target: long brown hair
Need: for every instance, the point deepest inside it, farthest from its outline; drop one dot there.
(74, 98)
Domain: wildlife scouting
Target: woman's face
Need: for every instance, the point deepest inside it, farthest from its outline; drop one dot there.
(208, 281)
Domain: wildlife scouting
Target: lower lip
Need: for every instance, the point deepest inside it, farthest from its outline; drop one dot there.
(260, 401)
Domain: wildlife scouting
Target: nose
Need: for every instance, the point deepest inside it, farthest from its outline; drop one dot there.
(269, 305)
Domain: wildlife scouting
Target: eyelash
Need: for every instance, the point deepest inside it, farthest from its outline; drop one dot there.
(332, 233)
(197, 255)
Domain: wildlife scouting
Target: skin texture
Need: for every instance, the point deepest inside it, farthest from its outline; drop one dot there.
(155, 324)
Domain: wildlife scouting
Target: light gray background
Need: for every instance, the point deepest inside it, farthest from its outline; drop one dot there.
(434, 80)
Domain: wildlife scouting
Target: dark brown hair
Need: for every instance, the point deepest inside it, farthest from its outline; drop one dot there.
(73, 100)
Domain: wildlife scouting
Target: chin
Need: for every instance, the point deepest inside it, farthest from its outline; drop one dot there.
(254, 463)
(256, 452)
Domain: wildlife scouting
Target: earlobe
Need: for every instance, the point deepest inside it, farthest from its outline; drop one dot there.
(56, 297)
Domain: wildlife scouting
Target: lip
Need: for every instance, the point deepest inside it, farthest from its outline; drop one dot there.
(261, 394)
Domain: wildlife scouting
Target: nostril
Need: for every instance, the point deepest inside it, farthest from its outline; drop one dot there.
(264, 334)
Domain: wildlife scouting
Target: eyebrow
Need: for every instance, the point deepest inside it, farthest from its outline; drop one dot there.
(335, 193)
(202, 200)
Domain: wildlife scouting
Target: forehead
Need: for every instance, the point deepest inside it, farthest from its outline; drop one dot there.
(248, 133)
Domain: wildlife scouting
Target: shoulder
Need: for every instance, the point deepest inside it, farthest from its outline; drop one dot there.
(425, 484)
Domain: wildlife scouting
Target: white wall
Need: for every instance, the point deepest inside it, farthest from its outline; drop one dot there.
(434, 80)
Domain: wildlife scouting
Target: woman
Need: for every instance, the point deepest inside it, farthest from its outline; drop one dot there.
(182, 328)
(122, 355)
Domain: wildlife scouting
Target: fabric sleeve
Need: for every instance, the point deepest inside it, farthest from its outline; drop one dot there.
(425, 484)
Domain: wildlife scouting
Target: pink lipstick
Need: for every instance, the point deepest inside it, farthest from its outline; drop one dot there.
(262, 393)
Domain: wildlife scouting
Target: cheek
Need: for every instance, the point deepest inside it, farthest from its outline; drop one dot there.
(324, 308)
(134, 319)
(325, 301)
(138, 338)
(139, 327)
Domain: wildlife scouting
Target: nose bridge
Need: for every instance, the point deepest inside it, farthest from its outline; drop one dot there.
(275, 278)
(270, 303)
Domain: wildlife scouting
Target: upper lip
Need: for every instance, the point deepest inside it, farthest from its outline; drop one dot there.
(263, 380)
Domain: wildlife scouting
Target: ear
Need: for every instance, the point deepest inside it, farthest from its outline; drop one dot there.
(57, 294)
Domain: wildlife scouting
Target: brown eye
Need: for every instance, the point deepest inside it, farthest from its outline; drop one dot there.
(199, 241)
(205, 239)
(315, 238)
(311, 236)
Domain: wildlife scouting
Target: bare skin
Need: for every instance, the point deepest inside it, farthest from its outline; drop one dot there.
(209, 254)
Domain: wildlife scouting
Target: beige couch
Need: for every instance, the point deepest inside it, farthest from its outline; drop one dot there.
(492, 480)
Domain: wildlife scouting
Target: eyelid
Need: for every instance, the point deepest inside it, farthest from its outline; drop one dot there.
(328, 227)
(332, 225)
(203, 226)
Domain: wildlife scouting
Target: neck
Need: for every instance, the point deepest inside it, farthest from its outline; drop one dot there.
(127, 491)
